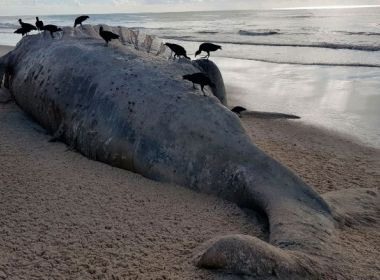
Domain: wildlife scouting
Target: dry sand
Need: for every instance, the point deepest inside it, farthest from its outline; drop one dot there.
(63, 216)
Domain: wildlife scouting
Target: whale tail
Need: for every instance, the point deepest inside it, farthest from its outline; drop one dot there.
(301, 224)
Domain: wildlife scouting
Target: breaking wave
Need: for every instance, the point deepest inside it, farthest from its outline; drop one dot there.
(323, 45)
(207, 32)
(360, 33)
(259, 32)
(9, 26)
(315, 63)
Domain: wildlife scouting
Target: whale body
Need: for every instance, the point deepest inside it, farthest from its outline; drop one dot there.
(128, 106)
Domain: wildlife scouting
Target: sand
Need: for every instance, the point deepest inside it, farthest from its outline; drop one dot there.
(5, 49)
(63, 216)
(324, 159)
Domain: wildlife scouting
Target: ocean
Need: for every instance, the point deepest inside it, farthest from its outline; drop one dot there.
(323, 65)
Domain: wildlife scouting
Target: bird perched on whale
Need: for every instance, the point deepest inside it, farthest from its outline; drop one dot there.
(238, 109)
(22, 31)
(27, 26)
(52, 29)
(199, 78)
(107, 35)
(39, 24)
(207, 47)
(79, 20)
(177, 49)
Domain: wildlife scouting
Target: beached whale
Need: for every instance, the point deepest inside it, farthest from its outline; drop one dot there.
(128, 106)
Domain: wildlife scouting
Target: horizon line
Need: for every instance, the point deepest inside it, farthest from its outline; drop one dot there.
(146, 12)
(332, 7)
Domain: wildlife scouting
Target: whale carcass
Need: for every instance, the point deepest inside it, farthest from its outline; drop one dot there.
(128, 106)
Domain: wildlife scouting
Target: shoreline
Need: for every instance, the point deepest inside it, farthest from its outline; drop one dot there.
(321, 95)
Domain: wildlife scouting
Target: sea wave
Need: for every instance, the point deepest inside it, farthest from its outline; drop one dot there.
(259, 32)
(6, 25)
(207, 32)
(323, 45)
(359, 33)
(304, 16)
(181, 38)
(6, 31)
(310, 63)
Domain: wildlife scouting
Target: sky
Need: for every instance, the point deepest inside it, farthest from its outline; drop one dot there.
(43, 7)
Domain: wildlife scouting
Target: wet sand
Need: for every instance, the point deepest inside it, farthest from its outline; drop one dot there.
(345, 99)
(5, 49)
(63, 216)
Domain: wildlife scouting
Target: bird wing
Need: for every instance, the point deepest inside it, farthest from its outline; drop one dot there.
(112, 35)
(29, 26)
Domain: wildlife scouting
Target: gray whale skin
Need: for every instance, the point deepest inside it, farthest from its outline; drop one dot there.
(130, 108)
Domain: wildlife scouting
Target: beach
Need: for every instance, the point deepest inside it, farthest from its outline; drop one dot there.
(64, 216)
